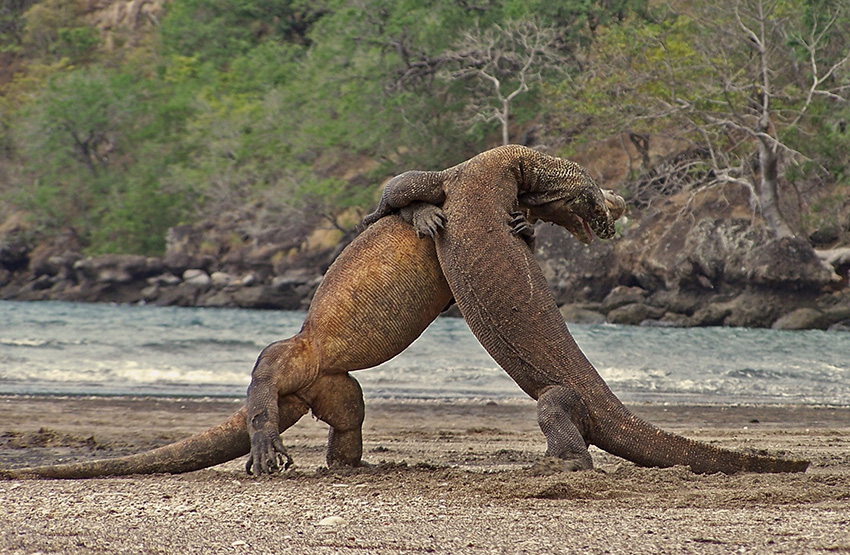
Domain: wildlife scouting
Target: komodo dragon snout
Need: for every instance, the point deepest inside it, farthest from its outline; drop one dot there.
(593, 211)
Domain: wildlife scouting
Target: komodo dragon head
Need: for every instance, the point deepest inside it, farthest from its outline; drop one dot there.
(594, 210)
(563, 193)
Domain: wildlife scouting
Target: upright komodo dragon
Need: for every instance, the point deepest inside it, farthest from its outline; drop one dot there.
(382, 291)
(504, 298)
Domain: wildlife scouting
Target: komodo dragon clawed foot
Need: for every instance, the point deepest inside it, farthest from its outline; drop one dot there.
(563, 419)
(268, 455)
(426, 219)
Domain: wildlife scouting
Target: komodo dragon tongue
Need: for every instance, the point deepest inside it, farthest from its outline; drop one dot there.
(587, 237)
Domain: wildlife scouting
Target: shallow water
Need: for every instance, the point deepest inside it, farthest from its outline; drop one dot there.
(93, 349)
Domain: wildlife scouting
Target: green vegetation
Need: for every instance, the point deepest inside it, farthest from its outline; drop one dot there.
(223, 103)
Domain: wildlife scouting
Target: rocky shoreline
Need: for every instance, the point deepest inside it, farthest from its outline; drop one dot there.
(809, 299)
(713, 268)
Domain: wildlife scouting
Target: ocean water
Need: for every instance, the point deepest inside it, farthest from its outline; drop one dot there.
(56, 348)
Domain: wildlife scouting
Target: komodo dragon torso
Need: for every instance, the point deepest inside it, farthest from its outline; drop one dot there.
(381, 293)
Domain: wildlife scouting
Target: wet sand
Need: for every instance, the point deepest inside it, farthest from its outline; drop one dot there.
(449, 477)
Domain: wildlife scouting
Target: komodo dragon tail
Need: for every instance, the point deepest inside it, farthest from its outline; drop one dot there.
(214, 446)
(622, 433)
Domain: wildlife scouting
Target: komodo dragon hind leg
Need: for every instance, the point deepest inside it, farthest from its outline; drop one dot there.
(337, 400)
(561, 414)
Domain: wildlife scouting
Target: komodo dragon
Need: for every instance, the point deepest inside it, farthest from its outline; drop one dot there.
(377, 297)
(344, 321)
(504, 298)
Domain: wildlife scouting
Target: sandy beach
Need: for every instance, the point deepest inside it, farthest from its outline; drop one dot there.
(448, 477)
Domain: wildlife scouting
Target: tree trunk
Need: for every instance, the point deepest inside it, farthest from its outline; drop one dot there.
(769, 190)
(504, 118)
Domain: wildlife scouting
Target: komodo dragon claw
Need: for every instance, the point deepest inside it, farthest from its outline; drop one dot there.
(268, 460)
(427, 219)
(522, 228)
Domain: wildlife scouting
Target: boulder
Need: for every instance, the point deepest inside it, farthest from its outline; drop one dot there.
(14, 253)
(843, 325)
(634, 314)
(118, 268)
(266, 296)
(221, 279)
(788, 263)
(621, 296)
(715, 251)
(759, 308)
(575, 272)
(196, 278)
(802, 319)
(578, 314)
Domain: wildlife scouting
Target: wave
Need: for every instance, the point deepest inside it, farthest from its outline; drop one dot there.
(200, 343)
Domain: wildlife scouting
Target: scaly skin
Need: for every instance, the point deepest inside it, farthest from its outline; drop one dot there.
(504, 298)
(386, 284)
(377, 283)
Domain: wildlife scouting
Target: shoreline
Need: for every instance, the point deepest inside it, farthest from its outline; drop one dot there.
(448, 476)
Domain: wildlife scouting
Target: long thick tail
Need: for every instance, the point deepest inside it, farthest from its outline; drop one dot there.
(622, 433)
(214, 446)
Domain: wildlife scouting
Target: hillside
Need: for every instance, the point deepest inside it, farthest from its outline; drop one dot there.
(241, 140)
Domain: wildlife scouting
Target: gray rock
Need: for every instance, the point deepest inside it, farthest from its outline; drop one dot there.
(262, 296)
(575, 272)
(621, 296)
(789, 262)
(844, 325)
(196, 277)
(14, 254)
(634, 314)
(579, 315)
(221, 279)
(166, 279)
(118, 268)
(802, 319)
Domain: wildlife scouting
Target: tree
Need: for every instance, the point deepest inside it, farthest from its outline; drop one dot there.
(94, 145)
(748, 82)
(504, 60)
(56, 28)
(12, 23)
(770, 91)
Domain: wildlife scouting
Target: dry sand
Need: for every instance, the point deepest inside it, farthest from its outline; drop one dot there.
(450, 477)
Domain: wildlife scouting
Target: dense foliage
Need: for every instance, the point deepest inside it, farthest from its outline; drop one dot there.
(229, 102)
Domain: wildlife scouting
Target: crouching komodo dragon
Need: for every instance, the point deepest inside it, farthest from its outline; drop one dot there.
(376, 298)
